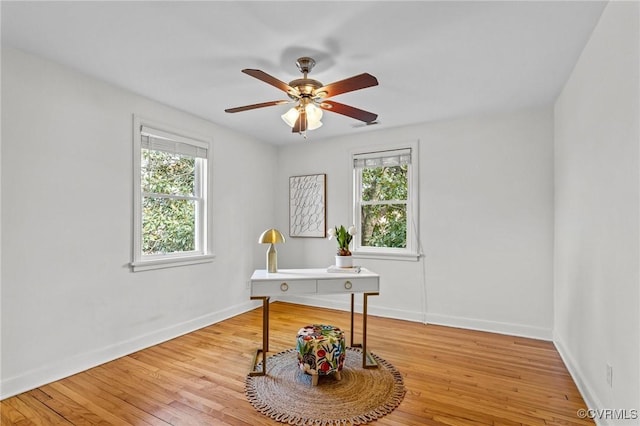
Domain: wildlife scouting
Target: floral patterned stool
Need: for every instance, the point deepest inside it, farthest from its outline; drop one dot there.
(321, 350)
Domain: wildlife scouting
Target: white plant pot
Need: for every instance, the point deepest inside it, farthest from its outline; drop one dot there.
(344, 261)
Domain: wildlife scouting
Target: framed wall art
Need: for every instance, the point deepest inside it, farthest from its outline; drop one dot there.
(307, 213)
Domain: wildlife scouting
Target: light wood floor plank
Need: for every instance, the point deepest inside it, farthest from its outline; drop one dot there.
(453, 377)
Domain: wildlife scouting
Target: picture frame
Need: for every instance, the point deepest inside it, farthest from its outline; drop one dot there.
(307, 211)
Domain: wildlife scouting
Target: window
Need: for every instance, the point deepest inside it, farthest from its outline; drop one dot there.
(385, 203)
(171, 208)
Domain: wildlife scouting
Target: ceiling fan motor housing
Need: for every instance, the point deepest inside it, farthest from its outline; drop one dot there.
(306, 86)
(305, 64)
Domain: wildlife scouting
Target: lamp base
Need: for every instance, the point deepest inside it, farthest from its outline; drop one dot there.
(272, 259)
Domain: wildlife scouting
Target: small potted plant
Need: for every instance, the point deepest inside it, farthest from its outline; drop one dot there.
(343, 236)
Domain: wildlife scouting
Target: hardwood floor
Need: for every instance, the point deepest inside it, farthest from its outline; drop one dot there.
(453, 377)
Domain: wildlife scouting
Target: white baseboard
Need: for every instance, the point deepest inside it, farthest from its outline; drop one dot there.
(585, 389)
(345, 305)
(509, 329)
(451, 321)
(66, 367)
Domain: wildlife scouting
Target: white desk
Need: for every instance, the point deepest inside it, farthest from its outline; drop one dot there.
(294, 282)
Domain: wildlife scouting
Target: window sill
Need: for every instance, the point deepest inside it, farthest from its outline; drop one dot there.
(410, 257)
(146, 265)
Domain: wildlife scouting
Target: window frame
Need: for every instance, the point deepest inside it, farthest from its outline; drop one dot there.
(412, 251)
(204, 222)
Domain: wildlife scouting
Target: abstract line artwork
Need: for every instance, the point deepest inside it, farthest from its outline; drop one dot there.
(307, 206)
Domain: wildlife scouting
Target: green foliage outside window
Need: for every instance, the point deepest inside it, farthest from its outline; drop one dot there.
(168, 223)
(384, 208)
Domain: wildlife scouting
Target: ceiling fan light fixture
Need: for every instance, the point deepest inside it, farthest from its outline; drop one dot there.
(290, 116)
(313, 125)
(313, 113)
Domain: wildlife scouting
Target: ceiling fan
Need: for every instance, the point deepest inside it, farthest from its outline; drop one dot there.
(310, 97)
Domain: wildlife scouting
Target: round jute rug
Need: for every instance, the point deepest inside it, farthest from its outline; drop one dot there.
(363, 395)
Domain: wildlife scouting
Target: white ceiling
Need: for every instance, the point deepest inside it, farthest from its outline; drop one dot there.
(434, 60)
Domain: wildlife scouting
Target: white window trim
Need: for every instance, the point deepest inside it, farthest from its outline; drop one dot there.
(145, 263)
(412, 251)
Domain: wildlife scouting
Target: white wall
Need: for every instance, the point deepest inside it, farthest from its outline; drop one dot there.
(486, 221)
(597, 135)
(69, 300)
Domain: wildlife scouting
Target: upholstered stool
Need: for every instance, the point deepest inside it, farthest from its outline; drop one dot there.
(321, 350)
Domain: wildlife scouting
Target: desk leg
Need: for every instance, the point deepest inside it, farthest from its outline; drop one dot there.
(265, 339)
(351, 332)
(367, 360)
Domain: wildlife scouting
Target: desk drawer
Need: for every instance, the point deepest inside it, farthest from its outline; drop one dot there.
(281, 288)
(348, 285)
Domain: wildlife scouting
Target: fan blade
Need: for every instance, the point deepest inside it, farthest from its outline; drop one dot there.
(254, 106)
(348, 85)
(349, 111)
(301, 122)
(269, 79)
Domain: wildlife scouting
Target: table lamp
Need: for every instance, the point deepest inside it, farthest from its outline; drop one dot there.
(271, 237)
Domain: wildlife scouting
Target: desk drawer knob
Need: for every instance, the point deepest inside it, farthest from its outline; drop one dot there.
(348, 285)
(284, 286)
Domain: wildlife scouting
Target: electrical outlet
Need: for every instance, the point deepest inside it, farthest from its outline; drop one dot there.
(248, 285)
(610, 375)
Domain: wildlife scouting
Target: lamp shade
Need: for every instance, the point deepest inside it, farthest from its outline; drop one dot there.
(271, 236)
(290, 116)
(313, 125)
(313, 113)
